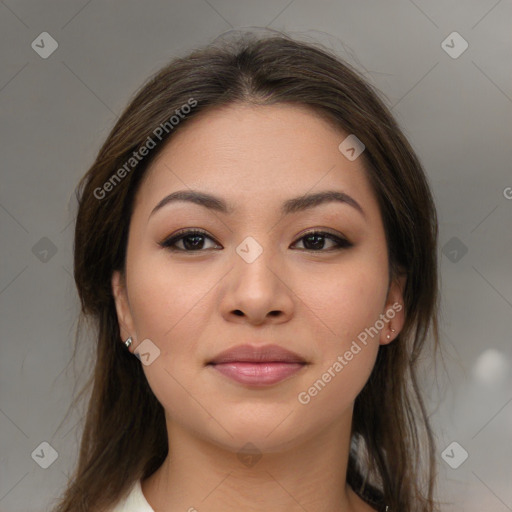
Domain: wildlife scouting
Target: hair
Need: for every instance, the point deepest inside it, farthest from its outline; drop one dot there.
(392, 451)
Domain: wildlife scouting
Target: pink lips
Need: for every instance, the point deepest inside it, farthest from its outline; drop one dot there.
(258, 366)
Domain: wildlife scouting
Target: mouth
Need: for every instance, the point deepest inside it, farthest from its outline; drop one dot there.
(258, 366)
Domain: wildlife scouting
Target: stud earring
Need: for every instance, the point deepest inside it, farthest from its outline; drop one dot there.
(128, 342)
(388, 336)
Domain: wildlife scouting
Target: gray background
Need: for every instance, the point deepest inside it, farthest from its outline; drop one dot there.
(456, 112)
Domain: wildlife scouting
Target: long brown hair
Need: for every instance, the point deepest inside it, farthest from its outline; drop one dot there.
(392, 457)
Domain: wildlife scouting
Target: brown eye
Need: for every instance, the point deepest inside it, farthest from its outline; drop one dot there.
(315, 241)
(193, 240)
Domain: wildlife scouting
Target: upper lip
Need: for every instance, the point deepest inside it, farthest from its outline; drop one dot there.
(257, 354)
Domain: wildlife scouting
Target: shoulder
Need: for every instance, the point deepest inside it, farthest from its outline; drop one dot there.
(135, 501)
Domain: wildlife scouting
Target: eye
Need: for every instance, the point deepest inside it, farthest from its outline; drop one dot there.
(193, 240)
(316, 240)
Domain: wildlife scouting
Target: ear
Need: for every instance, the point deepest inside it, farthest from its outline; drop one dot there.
(124, 316)
(394, 309)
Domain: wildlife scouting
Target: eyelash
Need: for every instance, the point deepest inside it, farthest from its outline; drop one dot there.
(342, 243)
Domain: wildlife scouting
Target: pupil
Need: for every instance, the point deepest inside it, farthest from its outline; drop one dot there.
(196, 244)
(317, 244)
(313, 241)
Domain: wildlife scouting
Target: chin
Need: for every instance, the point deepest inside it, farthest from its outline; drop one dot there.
(269, 432)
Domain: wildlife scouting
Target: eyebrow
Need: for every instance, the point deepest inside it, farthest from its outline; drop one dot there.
(294, 205)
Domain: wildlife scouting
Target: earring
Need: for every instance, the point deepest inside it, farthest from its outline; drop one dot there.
(128, 342)
(388, 336)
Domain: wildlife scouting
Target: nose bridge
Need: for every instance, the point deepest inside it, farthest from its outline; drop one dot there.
(254, 257)
(256, 288)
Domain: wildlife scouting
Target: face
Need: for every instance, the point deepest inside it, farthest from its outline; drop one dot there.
(255, 275)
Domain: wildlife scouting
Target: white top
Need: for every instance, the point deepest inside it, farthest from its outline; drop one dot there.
(134, 502)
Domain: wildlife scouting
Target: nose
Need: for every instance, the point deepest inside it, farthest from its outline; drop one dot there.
(257, 291)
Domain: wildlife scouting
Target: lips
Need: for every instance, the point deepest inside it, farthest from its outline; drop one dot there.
(257, 366)
(257, 354)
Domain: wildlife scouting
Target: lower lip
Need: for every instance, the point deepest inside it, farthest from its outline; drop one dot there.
(258, 374)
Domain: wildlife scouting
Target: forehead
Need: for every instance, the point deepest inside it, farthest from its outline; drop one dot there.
(255, 155)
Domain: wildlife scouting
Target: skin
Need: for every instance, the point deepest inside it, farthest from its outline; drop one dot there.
(314, 302)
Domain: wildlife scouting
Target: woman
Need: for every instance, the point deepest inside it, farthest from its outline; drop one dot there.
(256, 243)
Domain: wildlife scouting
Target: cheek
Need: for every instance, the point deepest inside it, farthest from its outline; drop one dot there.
(346, 302)
(343, 302)
(167, 302)
(337, 382)
(170, 306)
(347, 306)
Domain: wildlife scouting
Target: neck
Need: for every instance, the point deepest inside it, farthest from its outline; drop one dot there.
(307, 474)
